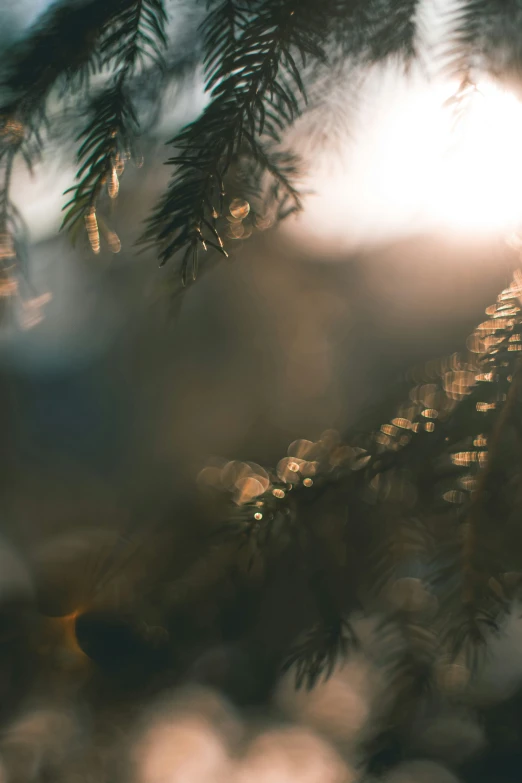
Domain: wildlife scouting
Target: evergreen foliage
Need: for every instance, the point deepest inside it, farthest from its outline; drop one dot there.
(254, 53)
(253, 79)
(136, 36)
(423, 507)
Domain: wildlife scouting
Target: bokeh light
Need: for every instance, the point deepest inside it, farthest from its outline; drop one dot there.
(339, 707)
(187, 740)
(292, 754)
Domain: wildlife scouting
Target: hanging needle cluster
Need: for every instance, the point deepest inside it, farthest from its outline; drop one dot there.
(255, 54)
(257, 57)
(134, 39)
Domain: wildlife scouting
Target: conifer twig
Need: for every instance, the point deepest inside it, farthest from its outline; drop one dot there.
(253, 79)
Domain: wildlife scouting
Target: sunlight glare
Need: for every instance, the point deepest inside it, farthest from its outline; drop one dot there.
(480, 184)
(412, 167)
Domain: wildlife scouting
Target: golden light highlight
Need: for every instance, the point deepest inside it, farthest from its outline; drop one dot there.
(93, 232)
(68, 625)
(480, 186)
(62, 636)
(412, 167)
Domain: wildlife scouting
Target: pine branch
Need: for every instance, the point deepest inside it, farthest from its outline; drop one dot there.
(252, 78)
(316, 654)
(59, 50)
(137, 35)
(488, 539)
(106, 143)
(70, 43)
(377, 29)
(16, 290)
(486, 37)
(9, 216)
(408, 653)
(333, 581)
(442, 514)
(220, 31)
(461, 487)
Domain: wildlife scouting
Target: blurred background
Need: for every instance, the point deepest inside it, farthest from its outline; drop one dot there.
(116, 400)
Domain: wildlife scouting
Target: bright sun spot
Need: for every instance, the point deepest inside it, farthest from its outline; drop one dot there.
(411, 166)
(480, 182)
